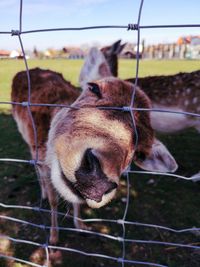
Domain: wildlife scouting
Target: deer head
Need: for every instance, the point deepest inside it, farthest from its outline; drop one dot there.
(111, 54)
(89, 147)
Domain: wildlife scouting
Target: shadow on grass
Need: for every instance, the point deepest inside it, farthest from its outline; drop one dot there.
(153, 199)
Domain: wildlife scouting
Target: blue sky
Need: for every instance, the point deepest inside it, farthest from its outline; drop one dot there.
(38, 14)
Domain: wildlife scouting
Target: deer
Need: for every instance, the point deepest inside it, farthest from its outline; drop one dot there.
(84, 148)
(178, 93)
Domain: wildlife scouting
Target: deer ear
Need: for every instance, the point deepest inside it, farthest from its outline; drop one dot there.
(116, 48)
(95, 67)
(159, 159)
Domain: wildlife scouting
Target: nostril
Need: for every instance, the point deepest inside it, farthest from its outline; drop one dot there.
(111, 187)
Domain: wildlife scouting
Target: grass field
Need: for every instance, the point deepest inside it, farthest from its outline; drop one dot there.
(153, 199)
(71, 69)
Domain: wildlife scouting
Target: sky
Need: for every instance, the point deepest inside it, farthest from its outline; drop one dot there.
(40, 14)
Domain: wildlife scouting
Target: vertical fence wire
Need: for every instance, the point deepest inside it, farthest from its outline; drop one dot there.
(35, 161)
(28, 107)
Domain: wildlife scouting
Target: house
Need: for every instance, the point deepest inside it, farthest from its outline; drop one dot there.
(192, 46)
(4, 54)
(73, 52)
(195, 47)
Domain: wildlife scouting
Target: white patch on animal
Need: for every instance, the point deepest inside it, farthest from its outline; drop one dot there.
(170, 122)
(91, 68)
(60, 184)
(22, 128)
(105, 200)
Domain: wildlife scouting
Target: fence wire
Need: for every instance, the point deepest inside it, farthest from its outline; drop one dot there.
(123, 222)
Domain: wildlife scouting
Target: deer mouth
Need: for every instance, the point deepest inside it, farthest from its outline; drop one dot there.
(71, 186)
(88, 193)
(82, 193)
(94, 193)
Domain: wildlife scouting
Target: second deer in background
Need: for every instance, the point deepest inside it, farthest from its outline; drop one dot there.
(179, 93)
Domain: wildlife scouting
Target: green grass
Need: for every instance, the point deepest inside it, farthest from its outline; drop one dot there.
(8, 68)
(156, 67)
(71, 69)
(153, 199)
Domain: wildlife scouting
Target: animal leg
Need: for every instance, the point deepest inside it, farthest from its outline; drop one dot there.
(53, 202)
(78, 223)
(43, 187)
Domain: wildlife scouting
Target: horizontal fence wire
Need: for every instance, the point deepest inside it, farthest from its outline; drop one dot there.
(100, 220)
(128, 27)
(115, 238)
(75, 251)
(35, 162)
(124, 109)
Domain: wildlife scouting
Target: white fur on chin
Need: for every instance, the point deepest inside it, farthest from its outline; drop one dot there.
(105, 200)
(60, 185)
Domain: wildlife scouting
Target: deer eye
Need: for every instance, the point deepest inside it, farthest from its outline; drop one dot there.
(94, 88)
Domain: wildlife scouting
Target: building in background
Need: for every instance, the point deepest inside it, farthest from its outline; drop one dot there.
(4, 54)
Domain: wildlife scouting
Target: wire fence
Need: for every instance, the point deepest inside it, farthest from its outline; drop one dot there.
(121, 259)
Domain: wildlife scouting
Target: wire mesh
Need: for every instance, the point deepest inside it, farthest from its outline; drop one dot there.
(121, 260)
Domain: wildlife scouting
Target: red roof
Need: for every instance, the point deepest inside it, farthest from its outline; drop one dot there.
(4, 53)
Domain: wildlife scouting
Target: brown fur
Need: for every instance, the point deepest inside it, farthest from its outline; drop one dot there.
(181, 90)
(46, 87)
